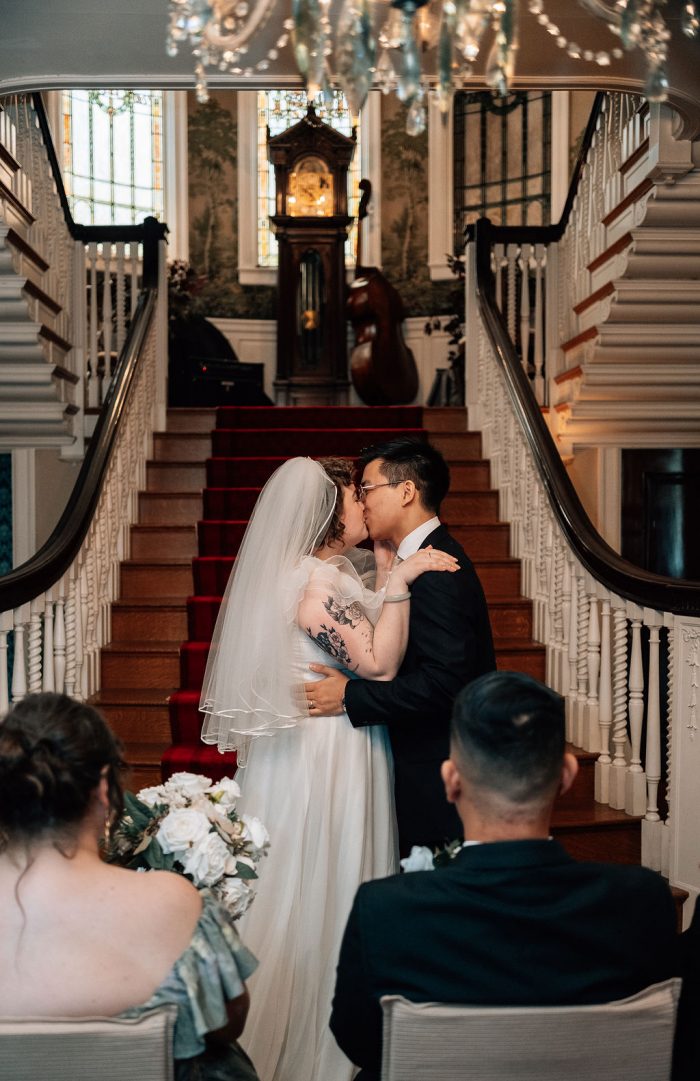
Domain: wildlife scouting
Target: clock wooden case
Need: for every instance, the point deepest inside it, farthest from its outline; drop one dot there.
(311, 222)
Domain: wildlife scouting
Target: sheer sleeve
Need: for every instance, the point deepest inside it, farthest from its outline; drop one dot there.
(210, 973)
(342, 615)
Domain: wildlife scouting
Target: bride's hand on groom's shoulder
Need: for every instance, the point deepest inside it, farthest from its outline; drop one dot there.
(425, 559)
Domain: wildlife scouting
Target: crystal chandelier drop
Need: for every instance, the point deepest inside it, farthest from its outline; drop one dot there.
(381, 44)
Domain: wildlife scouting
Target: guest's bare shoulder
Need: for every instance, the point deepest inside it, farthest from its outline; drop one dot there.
(163, 895)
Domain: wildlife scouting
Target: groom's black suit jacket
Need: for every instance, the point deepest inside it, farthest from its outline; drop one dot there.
(449, 644)
(508, 923)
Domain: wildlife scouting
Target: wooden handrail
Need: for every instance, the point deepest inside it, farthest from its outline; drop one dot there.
(617, 574)
(53, 559)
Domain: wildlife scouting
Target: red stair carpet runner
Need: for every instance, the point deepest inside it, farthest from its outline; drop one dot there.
(248, 444)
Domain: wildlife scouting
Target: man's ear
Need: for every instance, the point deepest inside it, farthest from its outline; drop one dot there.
(569, 770)
(409, 493)
(452, 780)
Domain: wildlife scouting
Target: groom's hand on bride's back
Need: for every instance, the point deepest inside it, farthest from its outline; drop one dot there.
(325, 696)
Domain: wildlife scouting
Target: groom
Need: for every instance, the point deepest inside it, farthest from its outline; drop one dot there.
(403, 484)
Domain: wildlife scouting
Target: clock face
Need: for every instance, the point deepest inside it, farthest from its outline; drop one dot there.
(310, 189)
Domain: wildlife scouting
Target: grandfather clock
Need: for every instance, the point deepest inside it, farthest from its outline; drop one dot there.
(311, 161)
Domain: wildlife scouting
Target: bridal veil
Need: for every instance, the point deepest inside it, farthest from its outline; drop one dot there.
(248, 690)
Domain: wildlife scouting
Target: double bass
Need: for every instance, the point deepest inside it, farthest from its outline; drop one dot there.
(382, 367)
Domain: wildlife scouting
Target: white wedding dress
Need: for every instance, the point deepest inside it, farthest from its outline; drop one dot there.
(324, 790)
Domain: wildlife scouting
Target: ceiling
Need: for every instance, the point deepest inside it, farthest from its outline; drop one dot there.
(47, 44)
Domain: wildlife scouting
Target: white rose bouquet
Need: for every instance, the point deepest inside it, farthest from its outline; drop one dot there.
(190, 824)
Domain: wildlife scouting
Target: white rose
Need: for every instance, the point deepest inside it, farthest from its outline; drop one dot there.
(225, 792)
(208, 861)
(151, 796)
(189, 785)
(420, 859)
(255, 832)
(235, 894)
(181, 829)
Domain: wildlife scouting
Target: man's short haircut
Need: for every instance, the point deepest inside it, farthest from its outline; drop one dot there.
(508, 736)
(409, 458)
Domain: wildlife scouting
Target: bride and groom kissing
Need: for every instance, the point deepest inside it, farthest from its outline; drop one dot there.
(390, 640)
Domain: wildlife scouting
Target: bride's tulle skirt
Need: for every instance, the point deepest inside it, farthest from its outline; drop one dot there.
(325, 792)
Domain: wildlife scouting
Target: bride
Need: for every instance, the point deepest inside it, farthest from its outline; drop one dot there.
(300, 593)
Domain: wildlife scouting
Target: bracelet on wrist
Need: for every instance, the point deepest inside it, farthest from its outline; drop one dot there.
(394, 598)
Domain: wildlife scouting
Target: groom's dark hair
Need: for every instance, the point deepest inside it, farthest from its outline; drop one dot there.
(409, 458)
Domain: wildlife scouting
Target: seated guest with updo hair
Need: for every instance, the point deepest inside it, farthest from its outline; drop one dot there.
(79, 937)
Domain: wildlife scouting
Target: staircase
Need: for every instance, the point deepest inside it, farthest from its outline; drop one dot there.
(34, 376)
(201, 487)
(632, 370)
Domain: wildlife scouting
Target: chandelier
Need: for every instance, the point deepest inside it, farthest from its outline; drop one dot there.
(381, 44)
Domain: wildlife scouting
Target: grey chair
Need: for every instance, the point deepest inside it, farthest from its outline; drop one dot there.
(88, 1048)
(625, 1040)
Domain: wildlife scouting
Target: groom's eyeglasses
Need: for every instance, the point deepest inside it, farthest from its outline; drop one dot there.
(363, 489)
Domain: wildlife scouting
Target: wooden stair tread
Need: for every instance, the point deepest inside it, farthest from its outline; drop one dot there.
(596, 816)
(143, 645)
(131, 696)
(158, 561)
(174, 601)
(517, 645)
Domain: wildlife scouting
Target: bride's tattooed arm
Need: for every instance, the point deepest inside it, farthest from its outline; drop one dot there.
(345, 633)
(331, 642)
(344, 614)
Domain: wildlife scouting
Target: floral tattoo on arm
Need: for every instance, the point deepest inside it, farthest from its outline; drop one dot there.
(344, 614)
(332, 643)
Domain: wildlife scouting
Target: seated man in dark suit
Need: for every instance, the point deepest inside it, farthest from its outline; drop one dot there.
(512, 920)
(686, 1060)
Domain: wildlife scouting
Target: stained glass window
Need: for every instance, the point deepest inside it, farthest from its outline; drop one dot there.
(278, 110)
(113, 155)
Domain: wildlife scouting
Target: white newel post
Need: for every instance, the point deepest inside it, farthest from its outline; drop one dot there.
(651, 827)
(618, 770)
(684, 861)
(635, 790)
(603, 763)
(591, 727)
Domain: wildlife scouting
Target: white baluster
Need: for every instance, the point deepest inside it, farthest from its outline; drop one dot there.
(573, 659)
(582, 606)
(120, 300)
(47, 681)
(665, 845)
(498, 255)
(603, 763)
(34, 645)
(107, 317)
(19, 670)
(134, 256)
(592, 717)
(71, 634)
(525, 306)
(512, 257)
(59, 644)
(565, 626)
(635, 790)
(618, 770)
(5, 628)
(539, 326)
(93, 360)
(653, 741)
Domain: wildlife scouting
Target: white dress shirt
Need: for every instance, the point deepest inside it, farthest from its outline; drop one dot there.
(411, 543)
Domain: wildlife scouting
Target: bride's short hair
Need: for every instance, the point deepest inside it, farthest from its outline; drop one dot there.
(340, 470)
